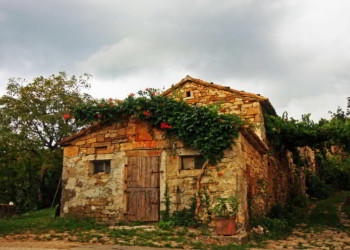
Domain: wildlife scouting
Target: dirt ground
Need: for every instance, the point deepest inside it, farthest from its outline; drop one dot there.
(57, 245)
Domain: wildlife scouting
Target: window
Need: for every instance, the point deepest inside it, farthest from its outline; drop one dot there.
(189, 162)
(189, 94)
(102, 166)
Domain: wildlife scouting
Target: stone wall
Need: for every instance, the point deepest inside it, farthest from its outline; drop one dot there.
(102, 196)
(221, 180)
(246, 106)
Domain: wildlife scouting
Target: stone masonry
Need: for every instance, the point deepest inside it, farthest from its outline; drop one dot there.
(257, 178)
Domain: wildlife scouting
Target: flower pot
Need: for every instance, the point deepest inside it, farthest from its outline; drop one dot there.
(226, 225)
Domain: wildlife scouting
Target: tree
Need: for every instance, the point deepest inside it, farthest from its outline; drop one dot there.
(36, 110)
(32, 124)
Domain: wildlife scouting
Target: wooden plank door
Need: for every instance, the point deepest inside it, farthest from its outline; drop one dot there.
(142, 189)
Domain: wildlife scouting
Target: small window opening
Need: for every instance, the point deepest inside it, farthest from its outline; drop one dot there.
(102, 166)
(189, 94)
(192, 162)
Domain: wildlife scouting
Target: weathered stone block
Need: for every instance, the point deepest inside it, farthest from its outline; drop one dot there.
(126, 146)
(253, 111)
(90, 151)
(162, 144)
(143, 133)
(100, 138)
(71, 151)
(101, 144)
(80, 143)
(92, 140)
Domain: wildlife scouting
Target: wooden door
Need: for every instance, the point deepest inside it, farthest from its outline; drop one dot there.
(142, 189)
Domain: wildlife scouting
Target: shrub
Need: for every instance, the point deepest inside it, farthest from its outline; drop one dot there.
(277, 212)
(334, 171)
(316, 188)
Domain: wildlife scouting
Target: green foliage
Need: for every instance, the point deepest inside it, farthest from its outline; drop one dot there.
(32, 124)
(35, 111)
(226, 207)
(288, 134)
(166, 224)
(276, 212)
(325, 212)
(184, 217)
(346, 209)
(315, 187)
(43, 221)
(200, 128)
(165, 214)
(334, 171)
(205, 200)
(274, 224)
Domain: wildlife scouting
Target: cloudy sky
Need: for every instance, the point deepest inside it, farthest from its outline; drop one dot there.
(296, 53)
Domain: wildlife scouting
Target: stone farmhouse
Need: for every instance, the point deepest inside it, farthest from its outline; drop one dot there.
(119, 170)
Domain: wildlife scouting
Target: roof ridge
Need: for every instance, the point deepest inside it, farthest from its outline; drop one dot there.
(211, 84)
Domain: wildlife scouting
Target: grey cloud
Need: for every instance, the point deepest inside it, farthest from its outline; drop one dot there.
(289, 51)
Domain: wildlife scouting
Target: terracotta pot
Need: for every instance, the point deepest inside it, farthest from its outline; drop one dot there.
(226, 225)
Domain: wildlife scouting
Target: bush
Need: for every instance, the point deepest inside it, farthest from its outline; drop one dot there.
(185, 217)
(270, 228)
(274, 225)
(166, 225)
(277, 212)
(316, 188)
(335, 172)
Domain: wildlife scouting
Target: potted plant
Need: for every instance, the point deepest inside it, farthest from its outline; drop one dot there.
(225, 210)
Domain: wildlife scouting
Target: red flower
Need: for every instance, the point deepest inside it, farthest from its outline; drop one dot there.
(66, 116)
(99, 116)
(147, 113)
(165, 125)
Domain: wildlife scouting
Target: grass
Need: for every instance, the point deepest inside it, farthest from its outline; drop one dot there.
(43, 221)
(323, 216)
(325, 212)
(41, 225)
(45, 227)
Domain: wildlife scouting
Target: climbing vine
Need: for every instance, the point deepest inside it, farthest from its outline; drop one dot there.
(289, 134)
(200, 128)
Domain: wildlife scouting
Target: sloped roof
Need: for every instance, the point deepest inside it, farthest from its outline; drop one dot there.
(65, 141)
(263, 100)
(251, 135)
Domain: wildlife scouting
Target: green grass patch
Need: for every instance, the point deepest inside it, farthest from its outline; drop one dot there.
(43, 221)
(325, 212)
